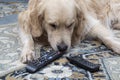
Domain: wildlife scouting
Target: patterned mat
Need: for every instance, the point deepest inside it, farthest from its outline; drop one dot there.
(61, 69)
(112, 67)
(9, 49)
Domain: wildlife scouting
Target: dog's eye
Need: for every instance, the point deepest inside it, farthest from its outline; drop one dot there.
(69, 26)
(53, 25)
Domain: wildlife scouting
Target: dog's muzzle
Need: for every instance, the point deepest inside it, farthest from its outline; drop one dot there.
(62, 47)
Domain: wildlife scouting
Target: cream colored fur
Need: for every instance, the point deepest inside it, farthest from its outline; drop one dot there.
(68, 21)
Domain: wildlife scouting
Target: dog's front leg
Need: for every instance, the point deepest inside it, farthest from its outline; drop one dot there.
(28, 52)
(106, 36)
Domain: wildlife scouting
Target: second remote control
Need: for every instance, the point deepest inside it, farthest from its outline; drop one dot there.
(42, 61)
(82, 63)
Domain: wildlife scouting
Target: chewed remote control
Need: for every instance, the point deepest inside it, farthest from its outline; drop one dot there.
(82, 63)
(42, 61)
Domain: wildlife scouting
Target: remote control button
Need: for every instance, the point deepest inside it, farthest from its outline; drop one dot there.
(50, 57)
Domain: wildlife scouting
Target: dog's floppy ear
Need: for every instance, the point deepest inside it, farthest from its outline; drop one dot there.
(78, 32)
(35, 12)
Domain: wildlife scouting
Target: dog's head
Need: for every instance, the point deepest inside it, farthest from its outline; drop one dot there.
(59, 19)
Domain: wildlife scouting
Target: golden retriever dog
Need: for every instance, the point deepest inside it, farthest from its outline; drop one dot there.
(63, 23)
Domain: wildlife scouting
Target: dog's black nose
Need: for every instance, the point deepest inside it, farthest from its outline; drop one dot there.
(62, 47)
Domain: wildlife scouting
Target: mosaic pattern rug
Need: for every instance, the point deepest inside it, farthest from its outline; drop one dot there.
(61, 69)
(9, 48)
(112, 67)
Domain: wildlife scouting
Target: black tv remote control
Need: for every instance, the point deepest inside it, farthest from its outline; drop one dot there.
(42, 61)
(82, 63)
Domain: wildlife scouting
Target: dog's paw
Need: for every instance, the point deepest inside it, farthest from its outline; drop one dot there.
(27, 55)
(116, 48)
